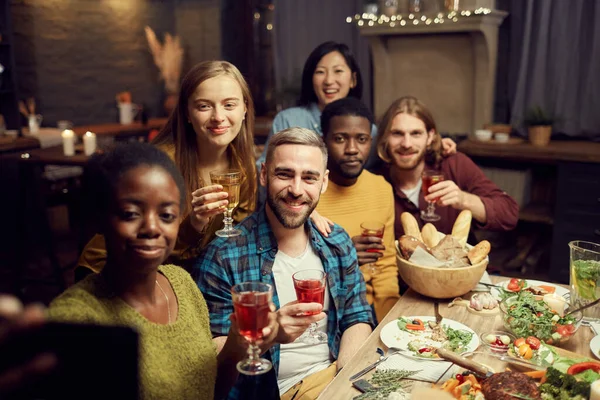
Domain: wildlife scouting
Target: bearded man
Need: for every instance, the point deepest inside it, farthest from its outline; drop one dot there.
(277, 241)
(409, 144)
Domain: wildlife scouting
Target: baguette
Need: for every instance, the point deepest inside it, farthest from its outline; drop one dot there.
(410, 225)
(479, 252)
(462, 225)
(430, 235)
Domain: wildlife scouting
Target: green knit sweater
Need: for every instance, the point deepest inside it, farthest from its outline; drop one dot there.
(177, 361)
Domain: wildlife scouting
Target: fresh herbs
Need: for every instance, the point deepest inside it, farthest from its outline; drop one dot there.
(527, 316)
(586, 277)
(457, 339)
(386, 382)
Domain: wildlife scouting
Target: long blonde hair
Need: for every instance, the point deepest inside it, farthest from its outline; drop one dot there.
(411, 106)
(180, 134)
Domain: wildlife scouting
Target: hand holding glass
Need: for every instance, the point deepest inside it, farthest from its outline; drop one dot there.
(310, 288)
(430, 178)
(230, 180)
(372, 228)
(251, 301)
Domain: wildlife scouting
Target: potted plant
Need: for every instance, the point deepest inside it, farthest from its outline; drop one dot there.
(539, 125)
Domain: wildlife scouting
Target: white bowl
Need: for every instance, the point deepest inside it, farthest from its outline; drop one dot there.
(501, 137)
(483, 135)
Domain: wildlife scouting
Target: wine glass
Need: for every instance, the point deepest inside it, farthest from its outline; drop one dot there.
(230, 180)
(430, 178)
(251, 301)
(372, 228)
(310, 288)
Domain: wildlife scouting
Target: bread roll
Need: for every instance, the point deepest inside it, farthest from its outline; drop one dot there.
(410, 225)
(408, 245)
(479, 252)
(462, 225)
(430, 235)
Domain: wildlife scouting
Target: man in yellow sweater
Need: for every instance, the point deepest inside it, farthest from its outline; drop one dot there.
(355, 196)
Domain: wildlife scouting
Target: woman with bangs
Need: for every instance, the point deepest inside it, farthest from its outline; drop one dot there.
(210, 129)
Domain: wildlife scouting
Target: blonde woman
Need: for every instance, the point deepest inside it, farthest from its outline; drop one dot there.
(211, 128)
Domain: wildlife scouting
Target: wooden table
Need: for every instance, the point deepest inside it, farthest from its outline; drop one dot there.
(412, 303)
(12, 145)
(52, 156)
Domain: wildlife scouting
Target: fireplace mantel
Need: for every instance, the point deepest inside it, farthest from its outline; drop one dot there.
(450, 66)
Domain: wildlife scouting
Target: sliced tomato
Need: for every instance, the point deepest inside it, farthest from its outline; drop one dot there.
(583, 366)
(562, 330)
(515, 285)
(571, 328)
(533, 342)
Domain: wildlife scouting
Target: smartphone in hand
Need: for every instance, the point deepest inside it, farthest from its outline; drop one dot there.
(94, 361)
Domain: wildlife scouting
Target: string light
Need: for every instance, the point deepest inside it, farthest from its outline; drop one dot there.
(436, 19)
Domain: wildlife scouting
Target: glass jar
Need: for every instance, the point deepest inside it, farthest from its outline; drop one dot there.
(585, 277)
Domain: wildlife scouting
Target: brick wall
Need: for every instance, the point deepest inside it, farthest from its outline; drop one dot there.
(73, 56)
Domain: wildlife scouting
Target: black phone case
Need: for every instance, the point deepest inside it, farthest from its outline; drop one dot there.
(94, 362)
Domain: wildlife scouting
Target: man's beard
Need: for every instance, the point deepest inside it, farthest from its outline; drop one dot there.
(287, 218)
(415, 163)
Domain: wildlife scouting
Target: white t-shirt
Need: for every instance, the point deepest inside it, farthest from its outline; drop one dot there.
(298, 360)
(413, 194)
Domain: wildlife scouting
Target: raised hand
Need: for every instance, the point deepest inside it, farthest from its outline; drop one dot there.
(364, 243)
(447, 193)
(206, 203)
(293, 321)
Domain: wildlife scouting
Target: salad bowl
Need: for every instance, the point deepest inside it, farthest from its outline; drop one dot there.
(525, 315)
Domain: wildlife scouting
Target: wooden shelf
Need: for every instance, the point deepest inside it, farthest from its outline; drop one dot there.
(538, 213)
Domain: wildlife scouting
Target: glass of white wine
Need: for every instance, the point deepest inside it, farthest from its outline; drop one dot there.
(230, 180)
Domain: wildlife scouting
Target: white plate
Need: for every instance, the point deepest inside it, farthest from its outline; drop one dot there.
(561, 291)
(595, 345)
(392, 336)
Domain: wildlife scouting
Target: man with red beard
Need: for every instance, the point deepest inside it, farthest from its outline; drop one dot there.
(276, 242)
(409, 144)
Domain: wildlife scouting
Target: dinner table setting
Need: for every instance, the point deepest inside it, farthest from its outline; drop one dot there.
(468, 335)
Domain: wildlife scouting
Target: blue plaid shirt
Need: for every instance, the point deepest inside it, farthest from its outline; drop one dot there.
(250, 257)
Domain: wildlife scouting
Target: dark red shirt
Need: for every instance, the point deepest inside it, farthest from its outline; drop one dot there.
(502, 211)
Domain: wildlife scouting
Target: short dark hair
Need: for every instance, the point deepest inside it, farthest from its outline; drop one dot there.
(307, 91)
(348, 106)
(104, 171)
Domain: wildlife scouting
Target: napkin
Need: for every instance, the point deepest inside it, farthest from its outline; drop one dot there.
(422, 257)
(485, 279)
(430, 371)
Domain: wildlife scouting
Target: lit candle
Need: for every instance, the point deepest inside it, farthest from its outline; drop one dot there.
(68, 139)
(556, 303)
(89, 143)
(595, 390)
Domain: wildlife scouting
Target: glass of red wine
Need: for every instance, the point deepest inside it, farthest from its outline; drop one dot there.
(430, 178)
(310, 288)
(372, 228)
(251, 301)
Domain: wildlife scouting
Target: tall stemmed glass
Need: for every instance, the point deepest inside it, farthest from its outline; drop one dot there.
(430, 178)
(230, 180)
(310, 288)
(251, 301)
(372, 228)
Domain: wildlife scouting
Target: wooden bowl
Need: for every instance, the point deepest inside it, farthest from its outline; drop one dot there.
(440, 283)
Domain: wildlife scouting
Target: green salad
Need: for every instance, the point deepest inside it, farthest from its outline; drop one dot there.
(428, 338)
(527, 316)
(586, 278)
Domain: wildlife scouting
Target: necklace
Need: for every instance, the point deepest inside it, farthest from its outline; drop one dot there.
(167, 299)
